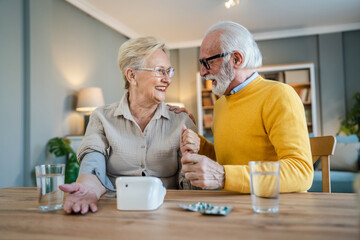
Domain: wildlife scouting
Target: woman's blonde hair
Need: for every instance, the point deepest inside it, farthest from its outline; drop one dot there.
(133, 53)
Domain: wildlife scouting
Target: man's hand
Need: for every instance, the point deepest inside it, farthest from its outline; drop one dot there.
(202, 171)
(80, 198)
(180, 110)
(189, 142)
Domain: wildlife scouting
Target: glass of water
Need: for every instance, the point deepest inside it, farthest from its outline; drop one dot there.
(48, 179)
(265, 185)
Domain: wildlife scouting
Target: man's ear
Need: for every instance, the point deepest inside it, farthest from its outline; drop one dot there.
(130, 76)
(238, 59)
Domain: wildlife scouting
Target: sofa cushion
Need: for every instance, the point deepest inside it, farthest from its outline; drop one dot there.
(341, 182)
(346, 155)
(347, 139)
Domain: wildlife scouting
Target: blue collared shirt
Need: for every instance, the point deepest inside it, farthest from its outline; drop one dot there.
(242, 85)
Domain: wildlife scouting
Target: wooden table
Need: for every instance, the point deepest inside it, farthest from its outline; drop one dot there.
(301, 216)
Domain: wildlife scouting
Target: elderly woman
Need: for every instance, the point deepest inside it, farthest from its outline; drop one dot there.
(138, 136)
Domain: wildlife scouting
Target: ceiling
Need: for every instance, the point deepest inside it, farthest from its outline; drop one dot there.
(182, 23)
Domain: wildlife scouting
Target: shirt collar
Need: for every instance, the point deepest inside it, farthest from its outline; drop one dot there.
(242, 85)
(124, 110)
(161, 111)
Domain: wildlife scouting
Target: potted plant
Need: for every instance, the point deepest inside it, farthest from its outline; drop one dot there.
(61, 147)
(351, 124)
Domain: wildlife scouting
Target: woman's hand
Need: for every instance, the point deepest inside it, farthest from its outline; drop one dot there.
(189, 142)
(80, 198)
(83, 195)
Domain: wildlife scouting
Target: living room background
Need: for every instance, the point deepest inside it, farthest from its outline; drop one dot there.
(50, 50)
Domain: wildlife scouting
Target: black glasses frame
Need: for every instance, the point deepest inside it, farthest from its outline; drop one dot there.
(204, 61)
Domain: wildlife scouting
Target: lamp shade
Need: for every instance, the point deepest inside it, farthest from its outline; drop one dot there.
(89, 99)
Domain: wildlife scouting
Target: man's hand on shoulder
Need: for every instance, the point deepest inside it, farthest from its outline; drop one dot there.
(178, 110)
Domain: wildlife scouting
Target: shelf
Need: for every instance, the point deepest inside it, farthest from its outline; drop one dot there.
(300, 85)
(206, 90)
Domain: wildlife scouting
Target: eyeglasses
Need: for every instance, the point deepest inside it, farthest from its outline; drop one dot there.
(204, 61)
(160, 71)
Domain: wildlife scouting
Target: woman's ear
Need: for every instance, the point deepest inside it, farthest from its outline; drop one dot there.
(131, 76)
(238, 59)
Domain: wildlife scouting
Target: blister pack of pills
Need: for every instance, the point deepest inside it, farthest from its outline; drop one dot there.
(195, 207)
(207, 209)
(217, 210)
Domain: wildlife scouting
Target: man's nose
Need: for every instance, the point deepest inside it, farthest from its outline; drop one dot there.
(203, 70)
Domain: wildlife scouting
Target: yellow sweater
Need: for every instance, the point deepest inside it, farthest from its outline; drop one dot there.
(265, 121)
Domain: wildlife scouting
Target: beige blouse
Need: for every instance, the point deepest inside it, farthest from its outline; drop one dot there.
(113, 132)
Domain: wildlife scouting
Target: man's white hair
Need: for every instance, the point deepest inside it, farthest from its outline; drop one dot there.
(234, 36)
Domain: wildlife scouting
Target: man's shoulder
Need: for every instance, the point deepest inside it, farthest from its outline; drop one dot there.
(272, 83)
(278, 91)
(275, 86)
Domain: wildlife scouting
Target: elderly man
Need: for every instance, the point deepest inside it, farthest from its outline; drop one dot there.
(254, 119)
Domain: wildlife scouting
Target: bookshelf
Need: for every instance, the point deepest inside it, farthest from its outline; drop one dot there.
(300, 76)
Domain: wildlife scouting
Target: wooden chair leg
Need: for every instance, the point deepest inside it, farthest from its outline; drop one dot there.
(326, 181)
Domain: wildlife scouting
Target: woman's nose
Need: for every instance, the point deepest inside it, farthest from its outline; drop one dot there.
(166, 79)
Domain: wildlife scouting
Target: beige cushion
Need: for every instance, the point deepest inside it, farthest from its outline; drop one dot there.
(346, 156)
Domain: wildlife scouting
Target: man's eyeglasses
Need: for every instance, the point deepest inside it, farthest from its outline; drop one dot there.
(205, 61)
(160, 71)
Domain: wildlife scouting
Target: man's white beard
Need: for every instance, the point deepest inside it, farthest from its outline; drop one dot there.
(223, 79)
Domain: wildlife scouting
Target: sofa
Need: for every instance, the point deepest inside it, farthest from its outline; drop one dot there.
(344, 166)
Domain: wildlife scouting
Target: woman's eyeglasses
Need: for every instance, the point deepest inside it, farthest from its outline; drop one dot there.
(160, 71)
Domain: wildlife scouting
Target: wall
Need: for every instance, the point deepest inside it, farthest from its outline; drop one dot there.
(351, 54)
(332, 90)
(67, 50)
(187, 69)
(50, 49)
(11, 94)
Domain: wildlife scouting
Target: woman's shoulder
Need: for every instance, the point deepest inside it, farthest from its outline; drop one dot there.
(180, 118)
(107, 108)
(174, 115)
